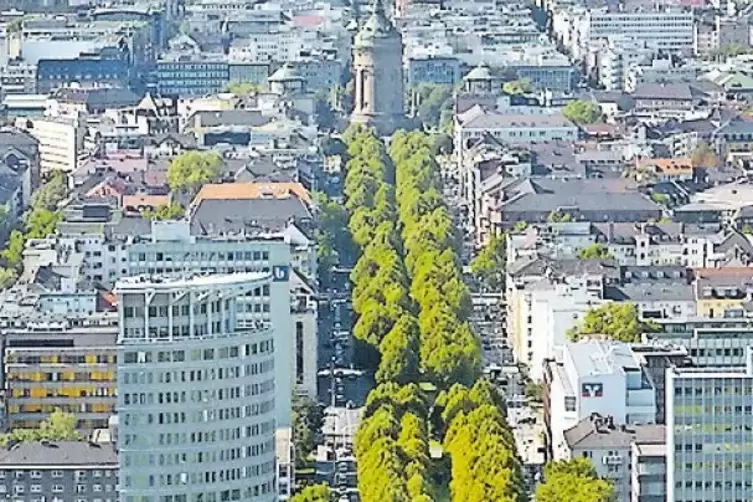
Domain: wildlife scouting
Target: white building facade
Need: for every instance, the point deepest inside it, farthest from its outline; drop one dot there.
(596, 376)
(667, 30)
(196, 391)
(60, 141)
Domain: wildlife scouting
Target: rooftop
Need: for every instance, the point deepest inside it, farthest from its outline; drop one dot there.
(598, 357)
(245, 191)
(182, 282)
(59, 454)
(597, 432)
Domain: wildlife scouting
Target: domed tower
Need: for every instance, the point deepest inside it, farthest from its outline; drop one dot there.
(478, 80)
(286, 80)
(378, 74)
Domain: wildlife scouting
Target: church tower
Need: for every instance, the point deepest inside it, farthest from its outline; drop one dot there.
(378, 74)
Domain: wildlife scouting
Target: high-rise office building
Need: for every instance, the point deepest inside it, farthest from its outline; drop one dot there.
(196, 390)
(710, 434)
(173, 249)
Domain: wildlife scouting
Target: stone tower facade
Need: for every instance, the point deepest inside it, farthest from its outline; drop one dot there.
(378, 74)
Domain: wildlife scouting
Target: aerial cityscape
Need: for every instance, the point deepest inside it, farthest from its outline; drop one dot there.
(376, 251)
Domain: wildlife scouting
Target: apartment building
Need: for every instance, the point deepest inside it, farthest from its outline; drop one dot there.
(609, 447)
(533, 287)
(514, 129)
(61, 141)
(550, 308)
(60, 471)
(635, 244)
(723, 292)
(547, 297)
(648, 472)
(65, 362)
(197, 388)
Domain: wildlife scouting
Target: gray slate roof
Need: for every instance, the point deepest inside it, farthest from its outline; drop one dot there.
(675, 92)
(492, 120)
(213, 216)
(586, 435)
(539, 266)
(252, 118)
(59, 453)
(132, 226)
(20, 140)
(583, 202)
(653, 291)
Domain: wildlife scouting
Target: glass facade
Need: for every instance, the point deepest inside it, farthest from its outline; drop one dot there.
(709, 436)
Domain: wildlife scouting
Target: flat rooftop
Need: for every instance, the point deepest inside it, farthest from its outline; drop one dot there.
(197, 281)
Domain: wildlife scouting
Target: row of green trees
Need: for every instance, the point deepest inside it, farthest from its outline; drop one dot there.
(332, 236)
(448, 350)
(412, 309)
(489, 265)
(481, 447)
(392, 443)
(392, 446)
(38, 222)
(386, 326)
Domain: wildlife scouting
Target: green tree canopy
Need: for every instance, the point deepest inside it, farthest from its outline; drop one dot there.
(595, 251)
(243, 88)
(518, 87)
(481, 446)
(489, 264)
(58, 427)
(574, 480)
(51, 193)
(172, 211)
(559, 217)
(582, 112)
(728, 51)
(308, 419)
(432, 100)
(615, 321)
(12, 255)
(41, 222)
(313, 493)
(190, 170)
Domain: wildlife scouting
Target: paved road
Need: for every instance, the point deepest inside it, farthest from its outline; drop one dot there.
(336, 318)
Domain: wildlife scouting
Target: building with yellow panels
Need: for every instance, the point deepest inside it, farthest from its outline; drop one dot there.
(54, 363)
(721, 291)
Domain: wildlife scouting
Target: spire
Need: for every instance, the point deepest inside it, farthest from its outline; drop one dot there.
(380, 14)
(378, 25)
